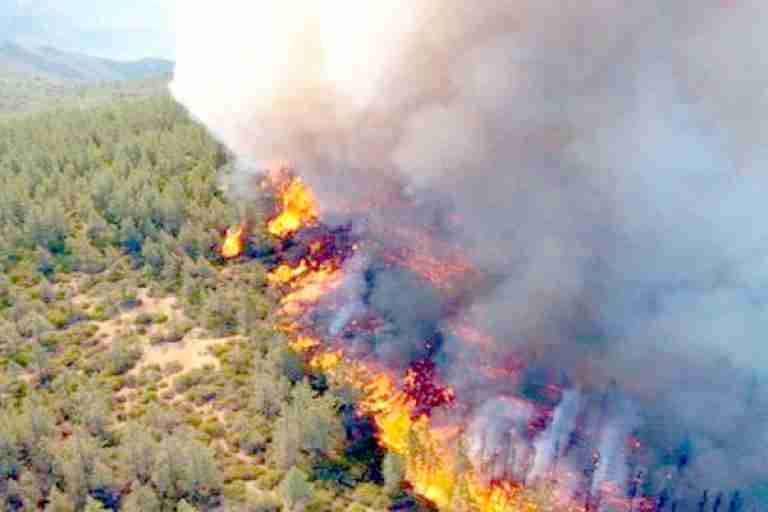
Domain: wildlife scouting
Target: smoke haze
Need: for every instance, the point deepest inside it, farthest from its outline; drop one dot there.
(607, 161)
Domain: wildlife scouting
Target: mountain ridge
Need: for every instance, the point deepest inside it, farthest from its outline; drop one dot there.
(21, 61)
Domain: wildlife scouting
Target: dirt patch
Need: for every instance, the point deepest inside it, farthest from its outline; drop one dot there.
(190, 353)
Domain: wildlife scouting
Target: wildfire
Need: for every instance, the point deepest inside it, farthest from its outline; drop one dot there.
(285, 274)
(309, 288)
(304, 343)
(326, 361)
(401, 406)
(232, 247)
(401, 413)
(297, 209)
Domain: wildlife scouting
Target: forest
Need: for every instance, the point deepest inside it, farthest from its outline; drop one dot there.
(139, 370)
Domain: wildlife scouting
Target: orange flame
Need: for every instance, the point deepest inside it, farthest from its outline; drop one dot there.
(285, 274)
(430, 462)
(297, 209)
(232, 247)
(309, 288)
(326, 361)
(430, 452)
(304, 343)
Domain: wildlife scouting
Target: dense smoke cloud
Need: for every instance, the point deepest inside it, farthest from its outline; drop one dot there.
(606, 159)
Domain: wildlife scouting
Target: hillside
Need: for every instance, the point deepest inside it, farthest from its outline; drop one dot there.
(21, 95)
(49, 79)
(23, 62)
(139, 370)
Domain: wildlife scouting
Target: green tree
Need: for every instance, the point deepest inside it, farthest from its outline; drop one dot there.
(185, 468)
(295, 489)
(47, 225)
(141, 499)
(286, 441)
(138, 452)
(79, 461)
(393, 470)
(87, 258)
(269, 389)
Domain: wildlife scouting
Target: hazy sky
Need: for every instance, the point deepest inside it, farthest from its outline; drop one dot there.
(105, 14)
(108, 28)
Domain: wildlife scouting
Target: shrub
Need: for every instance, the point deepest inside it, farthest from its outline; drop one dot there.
(235, 490)
(150, 318)
(123, 356)
(213, 429)
(188, 380)
(266, 502)
(269, 479)
(243, 472)
(369, 494)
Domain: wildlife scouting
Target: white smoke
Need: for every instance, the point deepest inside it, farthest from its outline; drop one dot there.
(496, 439)
(551, 446)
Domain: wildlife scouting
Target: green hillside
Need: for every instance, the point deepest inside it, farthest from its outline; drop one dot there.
(46, 79)
(138, 370)
(21, 94)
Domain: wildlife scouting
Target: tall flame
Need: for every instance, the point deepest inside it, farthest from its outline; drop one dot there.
(297, 209)
(232, 247)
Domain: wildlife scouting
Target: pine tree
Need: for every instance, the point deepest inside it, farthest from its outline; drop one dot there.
(47, 225)
(138, 452)
(321, 429)
(88, 259)
(393, 470)
(286, 440)
(269, 389)
(141, 499)
(295, 489)
(96, 229)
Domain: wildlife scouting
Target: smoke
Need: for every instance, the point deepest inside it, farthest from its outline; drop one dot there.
(607, 162)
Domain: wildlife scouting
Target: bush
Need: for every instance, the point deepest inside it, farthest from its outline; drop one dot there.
(269, 479)
(123, 356)
(150, 318)
(266, 502)
(236, 491)
(187, 381)
(213, 429)
(252, 442)
(243, 472)
(369, 494)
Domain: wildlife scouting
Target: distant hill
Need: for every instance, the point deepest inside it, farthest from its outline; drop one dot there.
(17, 61)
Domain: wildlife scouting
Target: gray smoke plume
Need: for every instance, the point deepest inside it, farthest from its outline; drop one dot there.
(607, 162)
